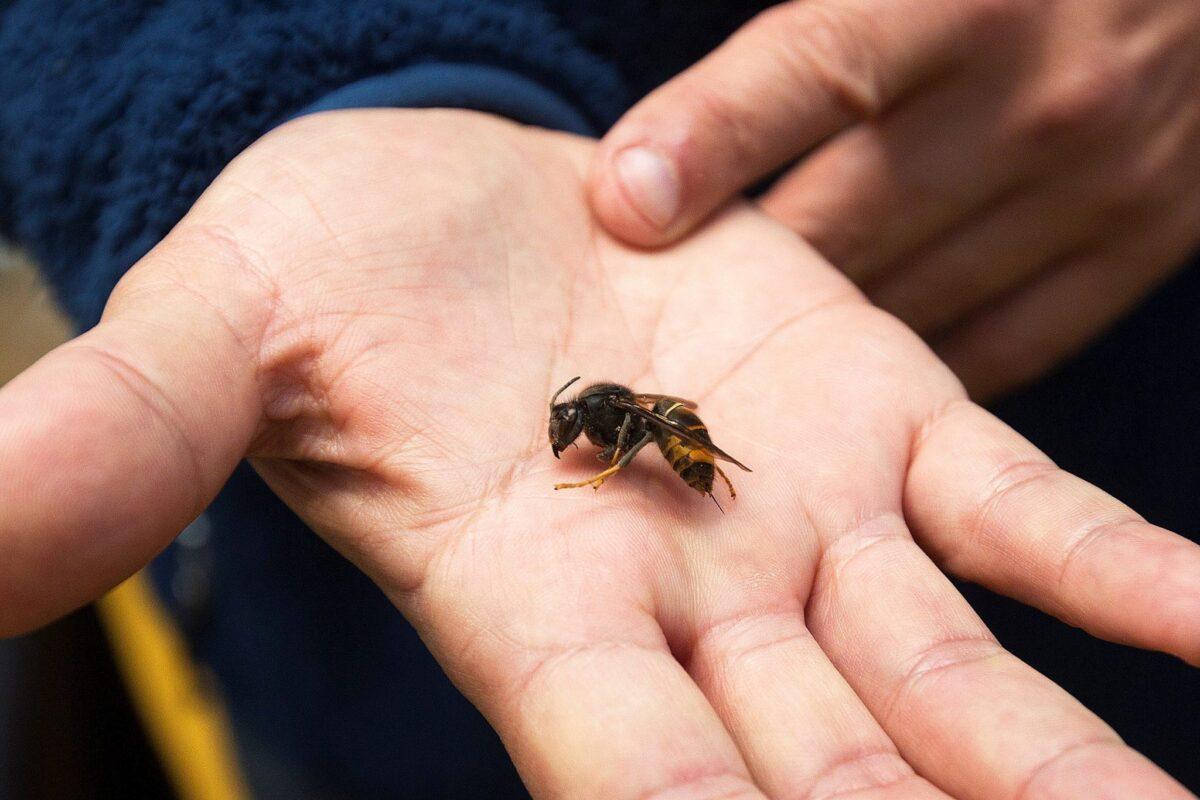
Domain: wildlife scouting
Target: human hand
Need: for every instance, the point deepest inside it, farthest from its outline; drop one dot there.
(376, 306)
(1006, 176)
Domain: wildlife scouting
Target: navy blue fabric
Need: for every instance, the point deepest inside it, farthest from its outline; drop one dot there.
(122, 112)
(482, 88)
(115, 114)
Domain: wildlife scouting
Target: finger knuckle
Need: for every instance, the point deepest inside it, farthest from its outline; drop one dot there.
(734, 638)
(543, 669)
(718, 784)
(861, 769)
(1085, 540)
(1008, 481)
(833, 47)
(942, 657)
(1096, 747)
(1089, 98)
(716, 109)
(869, 539)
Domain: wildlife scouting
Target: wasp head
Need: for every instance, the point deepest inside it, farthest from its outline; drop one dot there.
(566, 421)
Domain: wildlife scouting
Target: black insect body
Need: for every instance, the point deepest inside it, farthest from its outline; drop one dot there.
(620, 422)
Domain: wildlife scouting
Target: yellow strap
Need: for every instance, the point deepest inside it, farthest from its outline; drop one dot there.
(186, 724)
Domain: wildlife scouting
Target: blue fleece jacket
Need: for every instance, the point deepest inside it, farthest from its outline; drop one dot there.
(114, 116)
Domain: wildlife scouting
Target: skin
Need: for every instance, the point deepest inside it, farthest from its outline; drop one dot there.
(376, 306)
(1006, 176)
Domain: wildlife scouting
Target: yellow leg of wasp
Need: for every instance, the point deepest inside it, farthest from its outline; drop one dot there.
(598, 480)
(595, 482)
(728, 483)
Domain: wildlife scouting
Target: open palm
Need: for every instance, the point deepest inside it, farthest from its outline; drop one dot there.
(376, 307)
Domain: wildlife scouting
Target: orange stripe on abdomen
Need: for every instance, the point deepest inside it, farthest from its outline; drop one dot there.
(693, 464)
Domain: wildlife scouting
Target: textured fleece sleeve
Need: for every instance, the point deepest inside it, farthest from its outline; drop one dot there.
(116, 114)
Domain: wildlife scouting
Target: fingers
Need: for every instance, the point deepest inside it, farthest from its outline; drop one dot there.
(550, 630)
(873, 195)
(800, 727)
(112, 443)
(616, 718)
(964, 712)
(993, 509)
(789, 79)
(1009, 243)
(1058, 313)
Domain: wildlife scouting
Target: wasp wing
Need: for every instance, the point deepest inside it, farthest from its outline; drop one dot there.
(654, 398)
(678, 429)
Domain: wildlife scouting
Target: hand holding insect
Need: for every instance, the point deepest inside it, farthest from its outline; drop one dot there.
(378, 325)
(1008, 177)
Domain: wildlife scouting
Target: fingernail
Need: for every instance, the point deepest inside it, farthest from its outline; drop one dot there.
(651, 184)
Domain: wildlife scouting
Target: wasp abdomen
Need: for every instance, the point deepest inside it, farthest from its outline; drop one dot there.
(693, 464)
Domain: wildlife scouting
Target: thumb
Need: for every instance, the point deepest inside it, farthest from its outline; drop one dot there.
(791, 77)
(115, 441)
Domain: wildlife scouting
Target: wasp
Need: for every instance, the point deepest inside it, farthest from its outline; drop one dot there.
(621, 423)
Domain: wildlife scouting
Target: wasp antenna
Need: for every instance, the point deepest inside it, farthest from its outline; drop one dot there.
(563, 389)
(718, 502)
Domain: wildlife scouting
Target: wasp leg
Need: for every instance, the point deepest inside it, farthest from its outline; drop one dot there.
(728, 483)
(613, 452)
(622, 437)
(597, 481)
